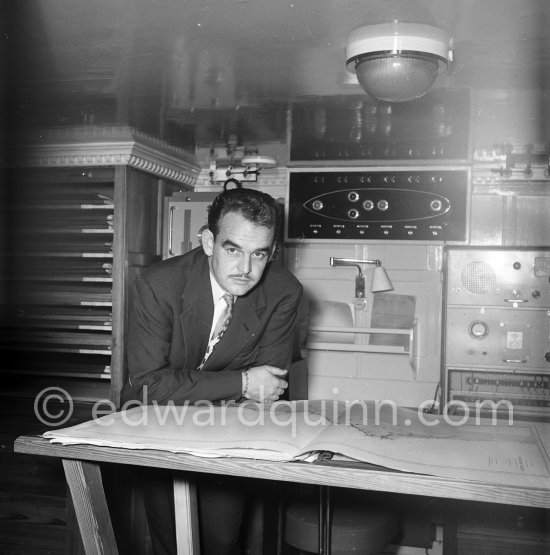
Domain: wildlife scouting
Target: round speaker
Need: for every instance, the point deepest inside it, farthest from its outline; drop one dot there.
(478, 278)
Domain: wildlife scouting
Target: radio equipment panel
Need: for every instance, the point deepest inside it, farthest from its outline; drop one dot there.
(505, 277)
(355, 128)
(412, 204)
(527, 393)
(497, 327)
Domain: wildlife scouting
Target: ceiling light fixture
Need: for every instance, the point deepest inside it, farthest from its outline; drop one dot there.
(398, 61)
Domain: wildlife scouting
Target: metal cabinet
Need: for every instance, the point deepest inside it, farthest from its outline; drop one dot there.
(496, 352)
(185, 217)
(511, 214)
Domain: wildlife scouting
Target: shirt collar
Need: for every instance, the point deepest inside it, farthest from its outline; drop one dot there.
(217, 291)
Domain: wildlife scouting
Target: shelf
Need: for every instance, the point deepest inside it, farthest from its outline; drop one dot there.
(60, 364)
(37, 336)
(83, 245)
(65, 337)
(67, 254)
(360, 347)
(68, 230)
(69, 278)
(61, 324)
(70, 199)
(63, 349)
(39, 267)
(77, 314)
(70, 207)
(66, 295)
(319, 346)
(65, 222)
(61, 374)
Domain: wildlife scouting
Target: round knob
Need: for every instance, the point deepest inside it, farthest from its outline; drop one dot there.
(547, 357)
(317, 205)
(368, 205)
(436, 205)
(353, 196)
(353, 213)
(383, 205)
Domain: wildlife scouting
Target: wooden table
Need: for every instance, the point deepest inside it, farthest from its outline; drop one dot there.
(82, 471)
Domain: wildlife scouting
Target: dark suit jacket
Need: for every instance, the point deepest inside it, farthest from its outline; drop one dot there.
(170, 320)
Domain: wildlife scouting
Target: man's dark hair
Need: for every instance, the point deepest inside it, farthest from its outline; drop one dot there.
(255, 206)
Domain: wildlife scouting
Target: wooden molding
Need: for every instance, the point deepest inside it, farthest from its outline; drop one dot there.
(106, 146)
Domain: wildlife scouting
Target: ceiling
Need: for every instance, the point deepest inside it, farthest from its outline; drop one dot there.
(200, 69)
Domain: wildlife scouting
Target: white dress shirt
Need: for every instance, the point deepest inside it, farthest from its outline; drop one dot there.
(219, 302)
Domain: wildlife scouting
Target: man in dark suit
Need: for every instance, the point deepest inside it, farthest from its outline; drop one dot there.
(178, 305)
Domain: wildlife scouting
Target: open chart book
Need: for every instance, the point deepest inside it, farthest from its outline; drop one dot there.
(377, 433)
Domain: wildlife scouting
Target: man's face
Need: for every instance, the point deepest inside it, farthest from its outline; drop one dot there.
(239, 254)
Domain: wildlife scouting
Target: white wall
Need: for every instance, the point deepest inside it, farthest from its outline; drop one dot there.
(414, 270)
(499, 116)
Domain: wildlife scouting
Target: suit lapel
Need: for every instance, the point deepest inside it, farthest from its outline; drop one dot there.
(244, 326)
(196, 319)
(197, 309)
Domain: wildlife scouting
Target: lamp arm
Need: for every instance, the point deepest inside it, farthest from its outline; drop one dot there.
(354, 261)
(248, 171)
(381, 282)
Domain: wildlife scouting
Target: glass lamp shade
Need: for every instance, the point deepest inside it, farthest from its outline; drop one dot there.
(397, 77)
(397, 62)
(380, 281)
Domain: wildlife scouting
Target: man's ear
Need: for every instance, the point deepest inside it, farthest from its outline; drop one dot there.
(273, 253)
(207, 242)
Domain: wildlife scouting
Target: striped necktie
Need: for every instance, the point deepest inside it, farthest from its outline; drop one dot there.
(221, 326)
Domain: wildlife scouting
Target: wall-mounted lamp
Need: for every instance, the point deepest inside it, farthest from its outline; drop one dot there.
(380, 280)
(397, 61)
(246, 169)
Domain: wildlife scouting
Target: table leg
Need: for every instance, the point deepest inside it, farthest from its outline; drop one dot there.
(90, 505)
(186, 513)
(324, 520)
(450, 527)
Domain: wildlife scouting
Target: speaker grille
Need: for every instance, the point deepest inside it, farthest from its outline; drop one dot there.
(478, 278)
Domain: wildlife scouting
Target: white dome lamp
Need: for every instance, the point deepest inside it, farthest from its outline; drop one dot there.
(255, 163)
(233, 172)
(398, 61)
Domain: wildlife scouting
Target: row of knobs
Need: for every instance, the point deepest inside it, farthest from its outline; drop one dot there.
(520, 402)
(368, 205)
(538, 382)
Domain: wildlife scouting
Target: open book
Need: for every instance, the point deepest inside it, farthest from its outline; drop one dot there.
(377, 433)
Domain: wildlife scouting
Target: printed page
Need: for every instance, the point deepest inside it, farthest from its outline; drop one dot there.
(405, 440)
(376, 433)
(271, 431)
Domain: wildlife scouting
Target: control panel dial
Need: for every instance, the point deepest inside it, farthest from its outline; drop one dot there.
(478, 329)
(412, 204)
